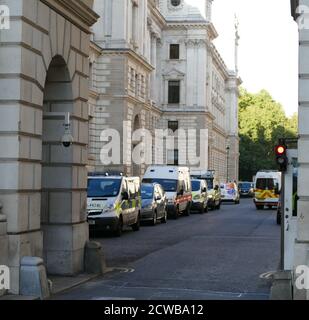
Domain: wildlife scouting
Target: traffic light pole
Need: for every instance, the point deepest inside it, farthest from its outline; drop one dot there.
(282, 161)
(282, 220)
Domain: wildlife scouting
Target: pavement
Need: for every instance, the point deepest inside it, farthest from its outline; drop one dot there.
(61, 284)
(218, 255)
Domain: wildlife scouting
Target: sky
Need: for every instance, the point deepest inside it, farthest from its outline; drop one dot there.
(268, 51)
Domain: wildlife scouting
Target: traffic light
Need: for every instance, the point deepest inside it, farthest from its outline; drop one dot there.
(281, 157)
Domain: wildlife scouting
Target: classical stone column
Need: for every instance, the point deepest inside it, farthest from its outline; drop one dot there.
(159, 82)
(201, 74)
(231, 97)
(135, 20)
(154, 38)
(191, 73)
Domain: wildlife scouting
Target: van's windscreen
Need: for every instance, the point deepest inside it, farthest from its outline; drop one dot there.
(196, 185)
(147, 192)
(265, 183)
(103, 187)
(210, 183)
(167, 184)
(245, 185)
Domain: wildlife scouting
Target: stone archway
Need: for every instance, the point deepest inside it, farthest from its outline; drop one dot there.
(62, 217)
(55, 29)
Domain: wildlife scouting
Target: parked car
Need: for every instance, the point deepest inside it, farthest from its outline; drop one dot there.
(246, 189)
(230, 193)
(199, 195)
(113, 202)
(176, 183)
(213, 189)
(154, 203)
(214, 198)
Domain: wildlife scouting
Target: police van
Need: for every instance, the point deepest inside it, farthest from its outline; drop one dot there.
(214, 191)
(266, 189)
(113, 202)
(176, 183)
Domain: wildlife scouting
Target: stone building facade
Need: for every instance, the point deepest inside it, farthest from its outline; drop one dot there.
(44, 68)
(53, 64)
(159, 69)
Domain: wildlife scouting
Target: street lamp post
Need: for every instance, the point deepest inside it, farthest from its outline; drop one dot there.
(227, 163)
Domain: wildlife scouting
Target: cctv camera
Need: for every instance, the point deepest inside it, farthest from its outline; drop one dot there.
(67, 140)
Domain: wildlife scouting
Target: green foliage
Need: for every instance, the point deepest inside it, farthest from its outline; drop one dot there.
(262, 121)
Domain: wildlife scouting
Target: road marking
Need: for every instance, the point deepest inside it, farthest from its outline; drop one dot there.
(267, 275)
(123, 270)
(161, 290)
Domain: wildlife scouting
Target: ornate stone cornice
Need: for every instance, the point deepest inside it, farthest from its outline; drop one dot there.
(132, 54)
(212, 32)
(186, 25)
(146, 104)
(195, 43)
(219, 130)
(95, 48)
(173, 74)
(156, 15)
(219, 62)
(93, 94)
(205, 112)
(79, 12)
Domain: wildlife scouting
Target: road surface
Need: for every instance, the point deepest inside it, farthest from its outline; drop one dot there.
(218, 255)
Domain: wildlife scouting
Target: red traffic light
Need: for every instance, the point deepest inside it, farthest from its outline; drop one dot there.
(281, 157)
(280, 150)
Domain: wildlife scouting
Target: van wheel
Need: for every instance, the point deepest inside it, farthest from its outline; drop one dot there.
(259, 207)
(137, 225)
(206, 208)
(164, 219)
(154, 220)
(188, 210)
(176, 213)
(119, 229)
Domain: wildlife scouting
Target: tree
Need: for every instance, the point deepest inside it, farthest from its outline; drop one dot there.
(262, 121)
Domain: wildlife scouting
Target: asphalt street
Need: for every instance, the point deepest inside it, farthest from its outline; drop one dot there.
(218, 255)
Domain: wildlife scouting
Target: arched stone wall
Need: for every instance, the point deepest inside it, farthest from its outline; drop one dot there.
(63, 211)
(37, 35)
